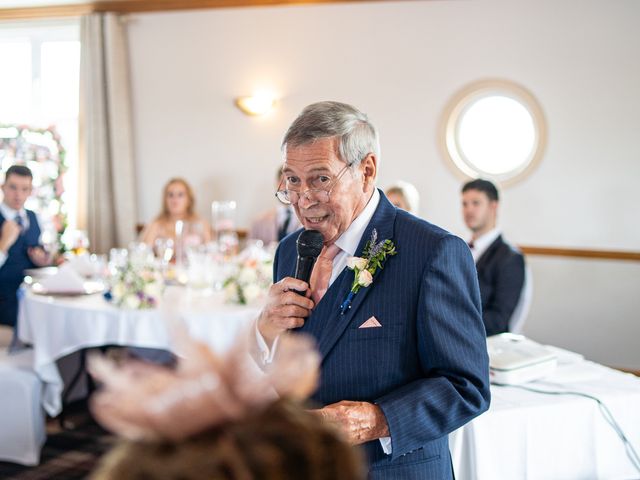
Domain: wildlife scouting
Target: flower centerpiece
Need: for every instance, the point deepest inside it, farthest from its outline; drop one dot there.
(251, 278)
(374, 255)
(136, 287)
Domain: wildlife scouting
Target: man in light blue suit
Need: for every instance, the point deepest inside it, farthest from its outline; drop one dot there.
(404, 359)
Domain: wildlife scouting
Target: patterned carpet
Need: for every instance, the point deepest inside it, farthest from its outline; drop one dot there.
(67, 454)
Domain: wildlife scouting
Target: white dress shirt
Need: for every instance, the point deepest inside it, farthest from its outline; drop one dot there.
(10, 214)
(483, 242)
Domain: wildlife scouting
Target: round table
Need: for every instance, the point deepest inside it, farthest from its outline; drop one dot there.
(57, 326)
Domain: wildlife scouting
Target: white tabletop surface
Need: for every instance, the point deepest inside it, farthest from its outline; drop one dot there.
(57, 326)
(528, 435)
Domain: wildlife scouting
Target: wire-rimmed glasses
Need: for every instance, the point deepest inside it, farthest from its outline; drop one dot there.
(321, 195)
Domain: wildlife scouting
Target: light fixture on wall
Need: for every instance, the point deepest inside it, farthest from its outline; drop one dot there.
(257, 104)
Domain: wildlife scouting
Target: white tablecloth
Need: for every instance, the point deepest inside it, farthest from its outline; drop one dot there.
(527, 435)
(58, 326)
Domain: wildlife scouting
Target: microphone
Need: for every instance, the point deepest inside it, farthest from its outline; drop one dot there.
(309, 246)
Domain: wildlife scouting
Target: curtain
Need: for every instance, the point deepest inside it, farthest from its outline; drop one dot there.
(107, 171)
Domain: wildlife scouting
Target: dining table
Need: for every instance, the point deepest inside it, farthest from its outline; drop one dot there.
(581, 421)
(57, 325)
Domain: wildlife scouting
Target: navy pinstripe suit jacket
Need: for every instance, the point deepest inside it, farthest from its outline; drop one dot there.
(427, 366)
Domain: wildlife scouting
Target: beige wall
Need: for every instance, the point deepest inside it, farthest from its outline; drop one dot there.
(400, 62)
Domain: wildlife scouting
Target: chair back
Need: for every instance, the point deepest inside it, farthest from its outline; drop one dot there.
(519, 315)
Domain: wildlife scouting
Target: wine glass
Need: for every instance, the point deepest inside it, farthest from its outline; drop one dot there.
(164, 251)
(49, 241)
(81, 242)
(224, 220)
(118, 258)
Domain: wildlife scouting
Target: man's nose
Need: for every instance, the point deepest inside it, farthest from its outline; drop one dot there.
(306, 201)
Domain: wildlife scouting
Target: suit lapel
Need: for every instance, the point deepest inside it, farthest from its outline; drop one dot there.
(327, 324)
(489, 252)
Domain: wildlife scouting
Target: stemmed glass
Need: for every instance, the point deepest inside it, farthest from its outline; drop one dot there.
(164, 251)
(224, 219)
(49, 241)
(118, 258)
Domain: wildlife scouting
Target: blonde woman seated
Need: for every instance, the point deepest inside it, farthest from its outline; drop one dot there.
(404, 195)
(177, 206)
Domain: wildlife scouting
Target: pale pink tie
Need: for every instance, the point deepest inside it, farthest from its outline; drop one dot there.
(322, 272)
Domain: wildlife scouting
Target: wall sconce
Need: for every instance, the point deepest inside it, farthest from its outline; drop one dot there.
(258, 104)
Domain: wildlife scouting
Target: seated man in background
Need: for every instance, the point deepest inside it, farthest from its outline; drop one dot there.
(500, 266)
(276, 223)
(19, 240)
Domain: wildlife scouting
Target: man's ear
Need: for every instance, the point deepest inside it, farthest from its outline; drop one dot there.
(493, 206)
(369, 166)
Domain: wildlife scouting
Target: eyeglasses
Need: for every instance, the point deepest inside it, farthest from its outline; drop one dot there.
(322, 185)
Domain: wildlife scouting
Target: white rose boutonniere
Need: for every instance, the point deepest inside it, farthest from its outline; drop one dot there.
(356, 262)
(364, 268)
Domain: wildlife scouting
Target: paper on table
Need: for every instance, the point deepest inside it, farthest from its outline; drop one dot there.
(67, 280)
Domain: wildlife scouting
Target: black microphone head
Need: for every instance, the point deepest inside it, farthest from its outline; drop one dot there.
(309, 243)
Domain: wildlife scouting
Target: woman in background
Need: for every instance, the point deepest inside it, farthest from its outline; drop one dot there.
(404, 195)
(177, 205)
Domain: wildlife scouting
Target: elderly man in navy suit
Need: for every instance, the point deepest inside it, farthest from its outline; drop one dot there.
(501, 268)
(404, 358)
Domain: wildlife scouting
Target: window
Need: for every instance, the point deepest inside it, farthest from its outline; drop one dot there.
(39, 99)
(494, 129)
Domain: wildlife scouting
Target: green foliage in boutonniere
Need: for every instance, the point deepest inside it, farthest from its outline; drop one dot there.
(364, 268)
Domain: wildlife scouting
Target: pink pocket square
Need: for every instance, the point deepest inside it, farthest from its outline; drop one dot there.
(371, 323)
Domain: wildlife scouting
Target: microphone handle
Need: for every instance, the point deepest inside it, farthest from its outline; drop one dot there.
(304, 267)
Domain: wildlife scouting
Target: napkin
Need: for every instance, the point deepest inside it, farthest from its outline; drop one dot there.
(66, 280)
(82, 264)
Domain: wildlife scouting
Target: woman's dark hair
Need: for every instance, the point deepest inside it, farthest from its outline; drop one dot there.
(282, 442)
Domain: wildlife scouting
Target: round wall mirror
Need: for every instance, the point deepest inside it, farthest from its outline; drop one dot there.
(494, 129)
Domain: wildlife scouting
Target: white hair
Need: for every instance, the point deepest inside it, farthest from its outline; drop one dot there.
(358, 137)
(408, 192)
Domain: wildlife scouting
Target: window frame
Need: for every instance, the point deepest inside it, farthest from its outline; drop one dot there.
(452, 117)
(36, 33)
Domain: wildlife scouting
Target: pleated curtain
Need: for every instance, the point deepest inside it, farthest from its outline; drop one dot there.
(107, 200)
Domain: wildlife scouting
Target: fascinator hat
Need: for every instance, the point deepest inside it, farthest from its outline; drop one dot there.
(219, 416)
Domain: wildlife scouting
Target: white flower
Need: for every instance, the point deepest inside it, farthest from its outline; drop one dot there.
(247, 276)
(266, 269)
(357, 262)
(132, 301)
(153, 290)
(365, 278)
(118, 291)
(252, 293)
(231, 292)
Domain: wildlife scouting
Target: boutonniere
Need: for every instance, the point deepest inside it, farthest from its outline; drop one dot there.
(364, 268)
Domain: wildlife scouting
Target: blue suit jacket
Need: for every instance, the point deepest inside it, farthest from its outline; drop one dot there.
(12, 271)
(427, 366)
